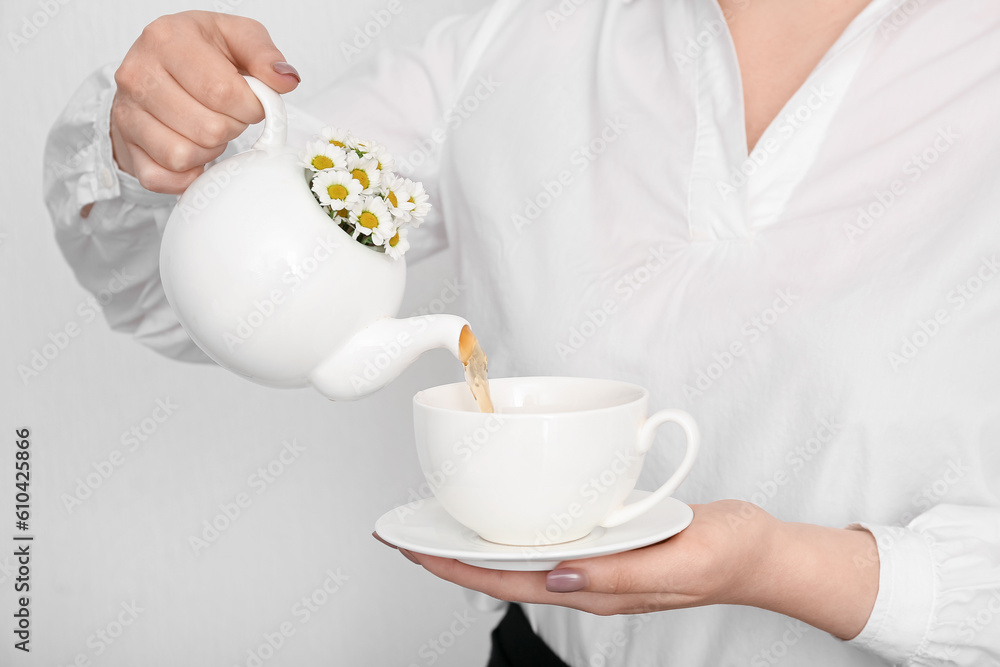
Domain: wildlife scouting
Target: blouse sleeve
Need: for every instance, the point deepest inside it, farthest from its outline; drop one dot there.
(939, 590)
(109, 227)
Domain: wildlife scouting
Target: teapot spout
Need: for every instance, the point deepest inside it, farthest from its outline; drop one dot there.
(377, 354)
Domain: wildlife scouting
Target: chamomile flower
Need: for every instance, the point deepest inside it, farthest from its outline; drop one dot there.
(321, 155)
(397, 196)
(371, 216)
(354, 183)
(336, 189)
(420, 200)
(339, 137)
(397, 245)
(371, 149)
(365, 171)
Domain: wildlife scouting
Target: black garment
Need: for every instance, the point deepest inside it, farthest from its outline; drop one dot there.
(515, 644)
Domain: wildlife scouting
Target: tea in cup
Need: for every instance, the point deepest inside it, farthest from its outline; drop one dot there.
(556, 459)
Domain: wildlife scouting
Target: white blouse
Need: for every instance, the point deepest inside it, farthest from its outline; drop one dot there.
(827, 308)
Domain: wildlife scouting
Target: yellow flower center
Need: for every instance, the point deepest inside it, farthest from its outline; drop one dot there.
(322, 162)
(343, 213)
(337, 143)
(337, 191)
(394, 240)
(413, 202)
(361, 177)
(368, 220)
(392, 198)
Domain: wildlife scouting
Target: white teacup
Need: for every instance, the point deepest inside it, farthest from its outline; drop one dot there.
(557, 459)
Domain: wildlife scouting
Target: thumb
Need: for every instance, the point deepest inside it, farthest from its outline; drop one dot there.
(251, 50)
(645, 570)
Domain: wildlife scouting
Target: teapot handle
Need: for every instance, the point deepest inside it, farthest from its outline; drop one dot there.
(275, 117)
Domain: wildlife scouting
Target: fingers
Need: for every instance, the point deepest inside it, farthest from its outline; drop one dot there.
(151, 175)
(676, 566)
(379, 538)
(206, 73)
(501, 584)
(166, 147)
(181, 96)
(172, 106)
(520, 586)
(632, 572)
(697, 566)
(155, 178)
(515, 586)
(641, 571)
(251, 49)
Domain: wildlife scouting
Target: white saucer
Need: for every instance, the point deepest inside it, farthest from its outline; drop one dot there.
(424, 527)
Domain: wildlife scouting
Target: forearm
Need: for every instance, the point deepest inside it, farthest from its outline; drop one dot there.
(826, 577)
(107, 226)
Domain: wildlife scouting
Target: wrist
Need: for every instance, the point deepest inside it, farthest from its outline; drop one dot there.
(826, 577)
(761, 557)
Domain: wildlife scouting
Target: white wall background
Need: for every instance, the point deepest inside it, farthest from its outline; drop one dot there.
(128, 542)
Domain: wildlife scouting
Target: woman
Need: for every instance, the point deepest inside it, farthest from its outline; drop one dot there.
(777, 215)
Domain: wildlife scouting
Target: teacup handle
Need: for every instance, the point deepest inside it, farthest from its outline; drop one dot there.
(275, 117)
(646, 434)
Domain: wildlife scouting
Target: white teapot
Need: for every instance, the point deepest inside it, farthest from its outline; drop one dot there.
(272, 289)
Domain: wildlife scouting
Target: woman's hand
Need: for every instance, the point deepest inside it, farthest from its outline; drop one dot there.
(181, 97)
(732, 553)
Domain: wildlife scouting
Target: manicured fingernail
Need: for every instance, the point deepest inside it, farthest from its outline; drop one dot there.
(566, 580)
(281, 67)
(410, 557)
(376, 536)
